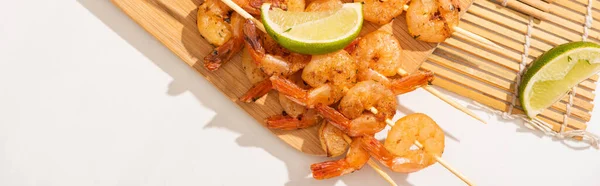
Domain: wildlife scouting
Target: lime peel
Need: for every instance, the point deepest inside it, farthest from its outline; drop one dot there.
(313, 32)
(555, 72)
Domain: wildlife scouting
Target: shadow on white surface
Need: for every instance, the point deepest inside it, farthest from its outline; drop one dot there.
(252, 134)
(522, 128)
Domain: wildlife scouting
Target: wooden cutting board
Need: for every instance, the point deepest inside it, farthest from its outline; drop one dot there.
(173, 22)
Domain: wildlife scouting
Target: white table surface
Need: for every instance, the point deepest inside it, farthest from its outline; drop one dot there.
(87, 97)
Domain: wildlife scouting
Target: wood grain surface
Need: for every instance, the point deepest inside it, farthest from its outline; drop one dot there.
(173, 22)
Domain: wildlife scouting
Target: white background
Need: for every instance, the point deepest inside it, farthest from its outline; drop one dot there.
(87, 97)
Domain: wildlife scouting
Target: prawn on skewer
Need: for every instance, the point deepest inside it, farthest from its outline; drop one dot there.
(294, 116)
(222, 28)
(382, 12)
(270, 58)
(355, 159)
(396, 153)
(379, 56)
(432, 20)
(353, 117)
(329, 75)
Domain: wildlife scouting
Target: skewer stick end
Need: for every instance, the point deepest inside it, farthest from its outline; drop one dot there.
(453, 103)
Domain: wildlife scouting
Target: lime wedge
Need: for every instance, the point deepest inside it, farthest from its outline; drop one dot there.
(313, 32)
(555, 72)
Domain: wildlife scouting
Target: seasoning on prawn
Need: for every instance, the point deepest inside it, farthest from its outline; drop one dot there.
(354, 160)
(270, 58)
(294, 116)
(222, 28)
(397, 153)
(329, 75)
(382, 12)
(353, 117)
(432, 20)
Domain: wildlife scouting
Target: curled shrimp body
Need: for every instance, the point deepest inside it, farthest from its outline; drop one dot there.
(337, 69)
(382, 12)
(368, 94)
(353, 116)
(354, 160)
(272, 58)
(222, 28)
(323, 5)
(379, 51)
(330, 75)
(432, 20)
(411, 82)
(401, 85)
(294, 116)
(397, 153)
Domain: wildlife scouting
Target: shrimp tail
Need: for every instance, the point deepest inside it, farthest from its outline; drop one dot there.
(285, 122)
(330, 169)
(222, 54)
(411, 82)
(334, 117)
(289, 89)
(376, 149)
(257, 91)
(352, 46)
(274, 3)
(253, 42)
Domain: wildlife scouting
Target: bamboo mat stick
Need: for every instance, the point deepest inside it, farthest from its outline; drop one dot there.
(510, 18)
(495, 93)
(499, 38)
(456, 54)
(537, 4)
(505, 85)
(520, 26)
(495, 58)
(577, 7)
(472, 73)
(544, 16)
(437, 158)
(567, 13)
(259, 25)
(491, 102)
(542, 25)
(524, 9)
(468, 34)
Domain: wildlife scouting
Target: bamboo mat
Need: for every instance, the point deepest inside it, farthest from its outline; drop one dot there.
(488, 74)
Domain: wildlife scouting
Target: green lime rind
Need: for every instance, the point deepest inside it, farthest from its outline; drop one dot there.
(541, 62)
(312, 48)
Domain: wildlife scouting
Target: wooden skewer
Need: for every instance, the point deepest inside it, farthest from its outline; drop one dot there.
(469, 34)
(260, 26)
(524, 8)
(445, 98)
(437, 158)
(538, 4)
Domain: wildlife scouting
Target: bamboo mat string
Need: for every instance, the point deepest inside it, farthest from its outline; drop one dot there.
(569, 105)
(540, 125)
(522, 67)
(536, 123)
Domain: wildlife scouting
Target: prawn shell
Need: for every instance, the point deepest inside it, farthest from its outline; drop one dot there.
(253, 73)
(419, 127)
(332, 140)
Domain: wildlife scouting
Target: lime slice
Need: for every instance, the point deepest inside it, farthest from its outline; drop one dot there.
(313, 32)
(555, 72)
